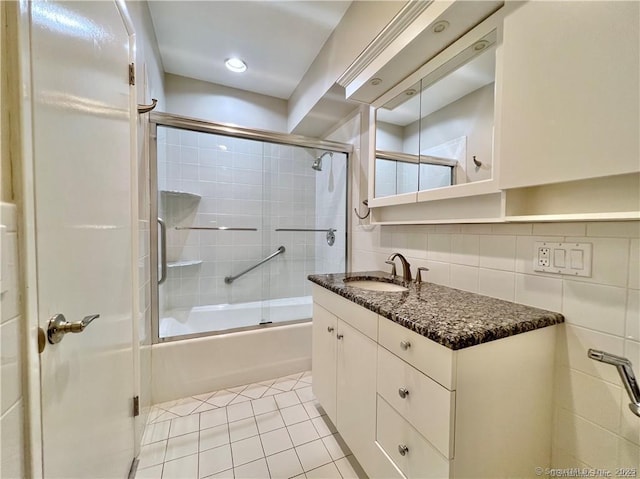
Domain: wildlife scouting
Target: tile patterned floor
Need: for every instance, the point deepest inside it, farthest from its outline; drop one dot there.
(271, 429)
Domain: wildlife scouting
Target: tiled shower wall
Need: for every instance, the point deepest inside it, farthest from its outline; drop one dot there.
(12, 400)
(593, 426)
(243, 183)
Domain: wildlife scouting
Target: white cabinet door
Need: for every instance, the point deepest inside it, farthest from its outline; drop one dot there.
(356, 392)
(569, 92)
(80, 115)
(323, 359)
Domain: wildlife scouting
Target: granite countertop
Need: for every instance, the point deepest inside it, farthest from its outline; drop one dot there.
(454, 318)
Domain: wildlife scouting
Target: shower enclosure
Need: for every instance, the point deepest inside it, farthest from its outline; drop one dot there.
(243, 216)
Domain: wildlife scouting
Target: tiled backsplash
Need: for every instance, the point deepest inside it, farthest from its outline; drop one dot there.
(12, 400)
(593, 426)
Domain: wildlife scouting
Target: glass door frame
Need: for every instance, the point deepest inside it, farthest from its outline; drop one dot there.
(157, 119)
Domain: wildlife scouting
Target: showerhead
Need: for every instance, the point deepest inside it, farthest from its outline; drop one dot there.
(317, 163)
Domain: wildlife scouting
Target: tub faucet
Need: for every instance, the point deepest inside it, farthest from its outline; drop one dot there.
(406, 267)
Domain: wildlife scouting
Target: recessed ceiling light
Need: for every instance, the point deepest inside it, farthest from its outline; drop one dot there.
(235, 65)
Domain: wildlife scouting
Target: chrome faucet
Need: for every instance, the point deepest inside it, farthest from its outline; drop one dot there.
(406, 267)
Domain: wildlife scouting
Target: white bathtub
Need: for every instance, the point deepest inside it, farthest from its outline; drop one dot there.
(194, 366)
(222, 317)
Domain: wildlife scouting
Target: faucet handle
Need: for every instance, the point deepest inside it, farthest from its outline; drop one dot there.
(418, 274)
(393, 267)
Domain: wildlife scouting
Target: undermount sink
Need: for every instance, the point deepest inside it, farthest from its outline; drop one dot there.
(374, 285)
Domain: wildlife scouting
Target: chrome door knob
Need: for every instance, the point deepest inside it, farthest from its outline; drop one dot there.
(330, 329)
(404, 345)
(58, 326)
(403, 449)
(403, 392)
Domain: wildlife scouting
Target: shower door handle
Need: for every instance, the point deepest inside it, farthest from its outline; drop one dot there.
(163, 251)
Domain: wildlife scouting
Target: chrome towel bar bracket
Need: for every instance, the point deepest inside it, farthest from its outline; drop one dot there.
(625, 370)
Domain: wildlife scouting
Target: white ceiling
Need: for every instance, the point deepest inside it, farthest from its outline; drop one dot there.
(277, 39)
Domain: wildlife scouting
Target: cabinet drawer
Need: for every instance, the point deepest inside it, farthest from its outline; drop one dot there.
(433, 359)
(354, 315)
(427, 406)
(421, 460)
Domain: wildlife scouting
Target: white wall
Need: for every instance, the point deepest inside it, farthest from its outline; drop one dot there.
(221, 104)
(12, 400)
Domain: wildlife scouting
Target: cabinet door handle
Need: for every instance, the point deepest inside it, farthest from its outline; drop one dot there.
(403, 449)
(339, 336)
(403, 392)
(330, 329)
(404, 345)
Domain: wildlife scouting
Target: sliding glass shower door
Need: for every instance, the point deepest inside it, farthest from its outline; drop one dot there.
(241, 223)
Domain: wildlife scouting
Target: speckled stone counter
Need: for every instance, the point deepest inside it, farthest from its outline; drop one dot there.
(454, 318)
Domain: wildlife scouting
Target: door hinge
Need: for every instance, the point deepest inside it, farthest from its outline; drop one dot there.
(132, 74)
(136, 406)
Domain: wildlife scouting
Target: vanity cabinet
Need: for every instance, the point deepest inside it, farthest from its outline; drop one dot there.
(410, 407)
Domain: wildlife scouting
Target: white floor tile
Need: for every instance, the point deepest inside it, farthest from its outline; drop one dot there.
(228, 474)
(205, 406)
(222, 398)
(312, 455)
(295, 376)
(271, 392)
(239, 399)
(152, 454)
(263, 405)
(305, 393)
(183, 468)
(184, 407)
(255, 391)
(300, 476)
(267, 382)
(285, 385)
(284, 465)
(302, 432)
(243, 410)
(237, 389)
(336, 446)
(287, 399)
(214, 437)
(155, 432)
(276, 441)
(328, 471)
(184, 425)
(324, 426)
(153, 472)
(313, 409)
(181, 446)
(306, 377)
(247, 450)
(243, 429)
(215, 417)
(154, 412)
(294, 414)
(165, 416)
(269, 421)
(205, 396)
(253, 470)
(350, 469)
(215, 460)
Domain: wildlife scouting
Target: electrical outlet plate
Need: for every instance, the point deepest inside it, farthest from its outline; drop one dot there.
(572, 259)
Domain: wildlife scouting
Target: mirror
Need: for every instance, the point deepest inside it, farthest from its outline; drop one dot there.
(439, 132)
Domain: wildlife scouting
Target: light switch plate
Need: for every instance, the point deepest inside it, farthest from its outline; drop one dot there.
(572, 259)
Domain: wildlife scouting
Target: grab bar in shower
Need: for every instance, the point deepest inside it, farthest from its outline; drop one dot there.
(331, 233)
(163, 251)
(214, 228)
(625, 370)
(231, 279)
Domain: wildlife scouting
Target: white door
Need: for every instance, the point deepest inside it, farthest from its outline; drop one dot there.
(83, 208)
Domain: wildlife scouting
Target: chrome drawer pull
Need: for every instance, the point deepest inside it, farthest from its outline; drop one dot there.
(330, 329)
(404, 345)
(403, 392)
(403, 449)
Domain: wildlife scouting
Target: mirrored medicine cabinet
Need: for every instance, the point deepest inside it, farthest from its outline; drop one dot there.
(434, 130)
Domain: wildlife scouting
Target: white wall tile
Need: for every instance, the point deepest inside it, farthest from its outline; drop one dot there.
(439, 273)
(610, 262)
(634, 264)
(497, 284)
(519, 229)
(464, 277)
(589, 397)
(629, 424)
(573, 344)
(11, 443)
(628, 455)
(586, 441)
(538, 291)
(614, 229)
(480, 229)
(498, 252)
(465, 249)
(439, 247)
(595, 306)
(10, 366)
(632, 329)
(559, 229)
